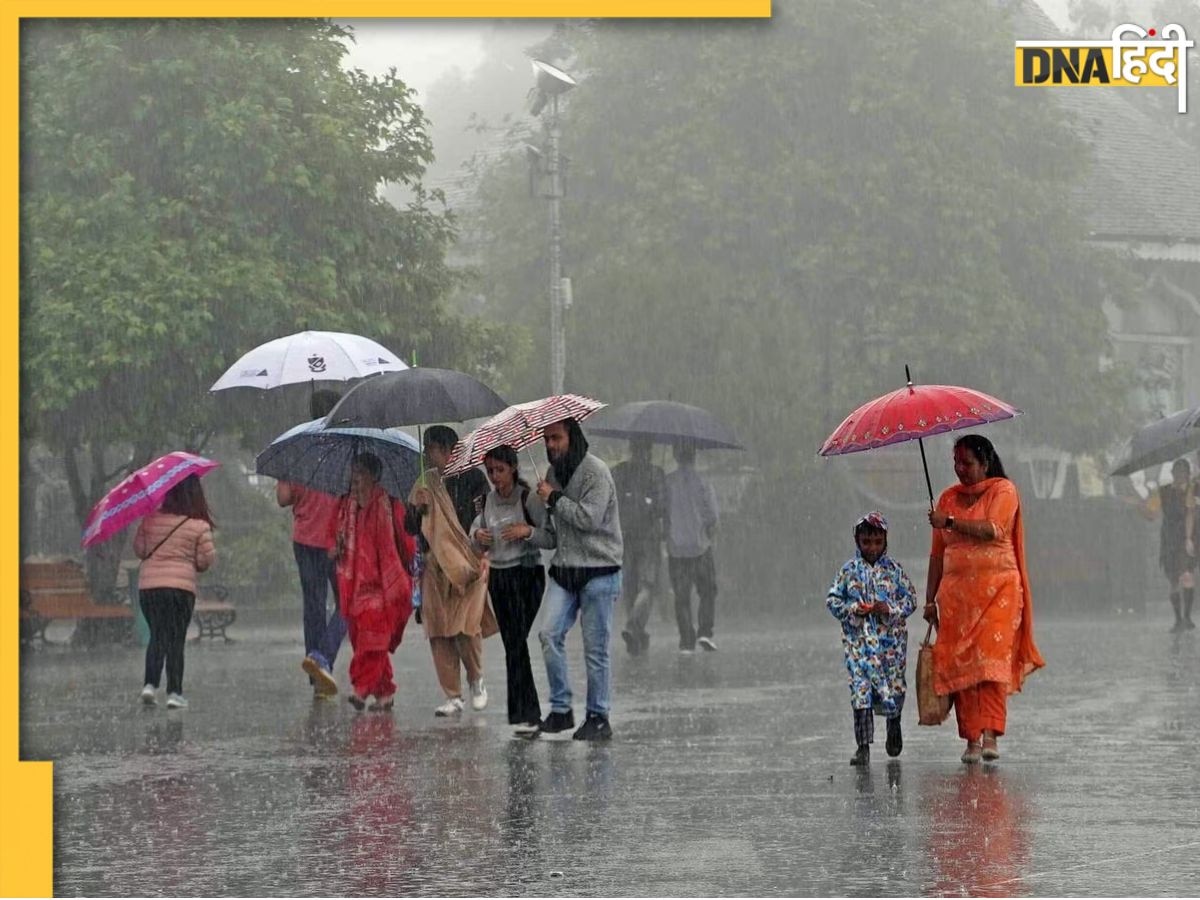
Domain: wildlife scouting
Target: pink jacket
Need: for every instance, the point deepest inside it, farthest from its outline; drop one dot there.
(173, 565)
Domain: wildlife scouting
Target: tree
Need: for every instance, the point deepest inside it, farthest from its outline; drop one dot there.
(770, 219)
(190, 189)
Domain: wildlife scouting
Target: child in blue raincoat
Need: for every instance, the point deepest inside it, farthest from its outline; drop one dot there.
(872, 597)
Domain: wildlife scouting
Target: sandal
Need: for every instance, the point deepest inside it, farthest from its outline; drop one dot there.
(972, 753)
(990, 752)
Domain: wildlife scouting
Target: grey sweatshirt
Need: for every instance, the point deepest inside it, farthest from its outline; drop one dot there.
(583, 528)
(497, 513)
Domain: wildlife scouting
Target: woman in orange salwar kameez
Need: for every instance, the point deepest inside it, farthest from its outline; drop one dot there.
(978, 596)
(374, 554)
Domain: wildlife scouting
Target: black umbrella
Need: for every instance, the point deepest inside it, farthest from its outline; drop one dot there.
(416, 396)
(320, 458)
(664, 422)
(1162, 441)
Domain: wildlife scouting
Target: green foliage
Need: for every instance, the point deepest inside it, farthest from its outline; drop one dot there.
(193, 188)
(770, 219)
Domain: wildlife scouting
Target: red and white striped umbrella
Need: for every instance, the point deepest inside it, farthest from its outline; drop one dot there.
(518, 427)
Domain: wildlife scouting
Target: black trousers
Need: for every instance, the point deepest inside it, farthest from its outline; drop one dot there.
(700, 571)
(168, 612)
(516, 598)
(639, 573)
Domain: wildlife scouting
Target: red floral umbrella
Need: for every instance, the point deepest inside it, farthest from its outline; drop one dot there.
(912, 413)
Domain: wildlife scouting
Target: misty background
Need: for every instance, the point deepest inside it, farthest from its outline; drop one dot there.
(766, 219)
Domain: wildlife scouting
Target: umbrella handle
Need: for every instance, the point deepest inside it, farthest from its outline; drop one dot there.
(532, 463)
(925, 465)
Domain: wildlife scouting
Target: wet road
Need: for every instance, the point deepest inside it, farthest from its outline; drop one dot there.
(728, 774)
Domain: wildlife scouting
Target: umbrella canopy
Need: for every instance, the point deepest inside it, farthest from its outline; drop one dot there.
(913, 413)
(319, 457)
(518, 427)
(416, 397)
(309, 356)
(665, 422)
(1162, 441)
(141, 494)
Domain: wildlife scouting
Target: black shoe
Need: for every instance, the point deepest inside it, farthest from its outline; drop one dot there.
(1189, 624)
(1178, 627)
(558, 721)
(633, 644)
(594, 728)
(862, 756)
(895, 740)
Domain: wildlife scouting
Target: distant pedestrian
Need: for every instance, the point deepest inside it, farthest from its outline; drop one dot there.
(314, 523)
(585, 576)
(374, 555)
(873, 597)
(692, 518)
(512, 515)
(642, 505)
(1177, 548)
(174, 544)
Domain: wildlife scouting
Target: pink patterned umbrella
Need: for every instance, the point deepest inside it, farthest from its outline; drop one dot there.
(518, 426)
(141, 494)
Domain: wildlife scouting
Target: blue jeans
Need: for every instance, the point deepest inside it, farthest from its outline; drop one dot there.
(594, 605)
(322, 637)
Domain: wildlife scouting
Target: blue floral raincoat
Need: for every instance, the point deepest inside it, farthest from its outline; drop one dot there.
(876, 646)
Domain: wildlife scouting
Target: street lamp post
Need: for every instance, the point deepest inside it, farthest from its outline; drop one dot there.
(552, 82)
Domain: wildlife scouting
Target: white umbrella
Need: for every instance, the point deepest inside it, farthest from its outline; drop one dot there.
(309, 356)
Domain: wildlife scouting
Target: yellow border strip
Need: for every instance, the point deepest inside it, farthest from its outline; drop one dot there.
(411, 9)
(27, 811)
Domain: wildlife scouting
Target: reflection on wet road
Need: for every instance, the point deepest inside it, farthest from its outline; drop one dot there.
(728, 774)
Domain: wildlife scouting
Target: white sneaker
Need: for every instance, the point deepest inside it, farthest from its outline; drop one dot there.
(478, 695)
(176, 701)
(527, 728)
(451, 707)
(707, 643)
(147, 695)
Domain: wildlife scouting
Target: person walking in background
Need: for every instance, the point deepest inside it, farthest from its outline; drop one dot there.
(455, 611)
(512, 515)
(373, 554)
(1176, 548)
(873, 597)
(641, 504)
(585, 576)
(174, 544)
(691, 520)
(978, 597)
(314, 523)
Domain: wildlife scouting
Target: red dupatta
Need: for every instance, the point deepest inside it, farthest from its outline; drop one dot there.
(374, 584)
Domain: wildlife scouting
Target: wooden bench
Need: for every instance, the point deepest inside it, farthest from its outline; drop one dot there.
(213, 612)
(52, 591)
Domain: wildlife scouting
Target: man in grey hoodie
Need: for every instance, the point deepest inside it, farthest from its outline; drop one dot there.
(585, 575)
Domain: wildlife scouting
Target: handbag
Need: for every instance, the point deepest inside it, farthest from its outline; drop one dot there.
(932, 708)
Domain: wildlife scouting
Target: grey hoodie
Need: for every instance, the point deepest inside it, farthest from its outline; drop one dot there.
(583, 528)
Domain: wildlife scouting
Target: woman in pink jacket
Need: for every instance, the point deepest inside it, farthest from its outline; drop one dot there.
(174, 544)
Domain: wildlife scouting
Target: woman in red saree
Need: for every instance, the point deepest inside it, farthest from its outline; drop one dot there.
(978, 596)
(374, 555)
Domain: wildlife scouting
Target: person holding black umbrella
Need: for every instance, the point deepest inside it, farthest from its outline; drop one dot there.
(692, 518)
(642, 502)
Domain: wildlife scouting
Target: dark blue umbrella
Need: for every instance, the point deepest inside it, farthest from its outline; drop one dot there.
(319, 457)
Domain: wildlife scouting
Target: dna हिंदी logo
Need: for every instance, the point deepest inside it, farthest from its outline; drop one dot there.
(1133, 57)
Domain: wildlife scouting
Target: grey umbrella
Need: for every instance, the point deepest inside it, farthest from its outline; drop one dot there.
(664, 422)
(1162, 441)
(417, 396)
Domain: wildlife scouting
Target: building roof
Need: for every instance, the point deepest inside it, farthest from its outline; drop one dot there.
(1144, 184)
